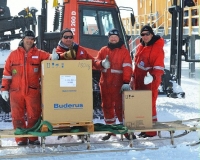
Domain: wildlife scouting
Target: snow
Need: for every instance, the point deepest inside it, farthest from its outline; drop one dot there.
(169, 109)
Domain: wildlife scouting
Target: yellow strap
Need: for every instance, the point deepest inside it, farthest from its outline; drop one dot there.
(55, 3)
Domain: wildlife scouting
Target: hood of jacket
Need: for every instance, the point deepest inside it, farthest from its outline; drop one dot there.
(63, 46)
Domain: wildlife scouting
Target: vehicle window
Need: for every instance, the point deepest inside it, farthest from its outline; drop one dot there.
(97, 22)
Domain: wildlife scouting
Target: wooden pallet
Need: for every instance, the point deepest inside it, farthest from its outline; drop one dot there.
(87, 125)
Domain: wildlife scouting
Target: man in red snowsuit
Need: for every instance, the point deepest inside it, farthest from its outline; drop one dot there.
(116, 70)
(149, 67)
(21, 79)
(67, 49)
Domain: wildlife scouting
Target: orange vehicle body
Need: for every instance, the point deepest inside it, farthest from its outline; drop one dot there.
(72, 8)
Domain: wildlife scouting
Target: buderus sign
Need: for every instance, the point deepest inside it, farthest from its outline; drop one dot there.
(68, 106)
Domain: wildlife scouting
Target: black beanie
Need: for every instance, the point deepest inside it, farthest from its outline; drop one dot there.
(29, 33)
(113, 32)
(147, 28)
(65, 30)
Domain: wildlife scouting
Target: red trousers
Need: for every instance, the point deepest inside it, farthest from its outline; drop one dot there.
(111, 104)
(25, 106)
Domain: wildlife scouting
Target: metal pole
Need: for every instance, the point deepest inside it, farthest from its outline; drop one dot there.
(173, 47)
(180, 41)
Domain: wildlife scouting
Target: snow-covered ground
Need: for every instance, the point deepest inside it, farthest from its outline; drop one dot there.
(169, 109)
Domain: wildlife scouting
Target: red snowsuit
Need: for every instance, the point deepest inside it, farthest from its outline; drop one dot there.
(21, 77)
(150, 59)
(111, 81)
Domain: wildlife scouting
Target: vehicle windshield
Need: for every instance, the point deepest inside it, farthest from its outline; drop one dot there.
(97, 22)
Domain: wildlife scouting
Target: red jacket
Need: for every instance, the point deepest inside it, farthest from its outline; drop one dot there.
(81, 53)
(150, 59)
(23, 70)
(120, 69)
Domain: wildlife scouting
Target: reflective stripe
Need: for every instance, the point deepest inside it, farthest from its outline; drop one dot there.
(158, 67)
(154, 118)
(147, 68)
(143, 68)
(116, 71)
(113, 71)
(110, 120)
(126, 65)
(7, 77)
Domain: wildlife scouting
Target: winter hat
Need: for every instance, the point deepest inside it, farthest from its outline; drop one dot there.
(29, 33)
(65, 30)
(147, 28)
(113, 32)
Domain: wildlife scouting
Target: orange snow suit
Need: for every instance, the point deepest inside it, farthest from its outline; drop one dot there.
(21, 77)
(111, 81)
(150, 59)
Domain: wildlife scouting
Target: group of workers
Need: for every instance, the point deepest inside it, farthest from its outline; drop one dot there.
(22, 74)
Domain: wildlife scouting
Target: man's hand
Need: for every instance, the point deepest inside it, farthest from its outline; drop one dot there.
(71, 54)
(5, 95)
(148, 78)
(106, 63)
(125, 87)
(54, 55)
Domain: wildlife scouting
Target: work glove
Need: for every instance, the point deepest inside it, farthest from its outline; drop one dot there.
(106, 63)
(54, 55)
(71, 54)
(125, 87)
(148, 78)
(5, 95)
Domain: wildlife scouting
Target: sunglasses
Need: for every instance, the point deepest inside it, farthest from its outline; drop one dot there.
(66, 37)
(145, 34)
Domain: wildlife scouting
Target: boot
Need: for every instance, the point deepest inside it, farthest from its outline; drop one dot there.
(147, 134)
(59, 137)
(141, 134)
(128, 136)
(36, 142)
(107, 136)
(22, 143)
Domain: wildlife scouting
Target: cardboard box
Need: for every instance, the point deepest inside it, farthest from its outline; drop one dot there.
(67, 91)
(137, 107)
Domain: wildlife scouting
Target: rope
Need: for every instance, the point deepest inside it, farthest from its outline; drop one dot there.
(36, 129)
(116, 128)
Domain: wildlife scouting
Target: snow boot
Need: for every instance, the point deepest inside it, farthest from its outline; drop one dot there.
(141, 134)
(59, 137)
(107, 136)
(147, 134)
(36, 142)
(128, 136)
(21, 143)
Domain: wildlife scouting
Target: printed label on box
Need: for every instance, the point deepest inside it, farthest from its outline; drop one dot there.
(136, 124)
(67, 80)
